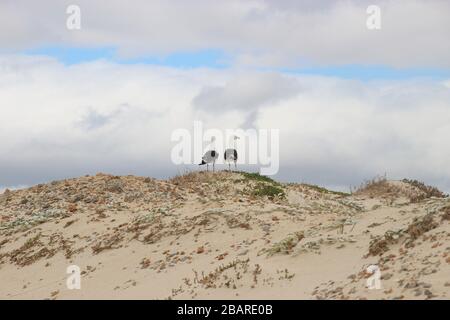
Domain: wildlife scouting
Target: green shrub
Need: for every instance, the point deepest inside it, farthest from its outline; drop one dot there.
(257, 177)
(324, 190)
(269, 191)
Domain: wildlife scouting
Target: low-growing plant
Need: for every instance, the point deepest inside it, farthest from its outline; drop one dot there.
(146, 218)
(286, 245)
(324, 190)
(268, 190)
(31, 242)
(420, 226)
(382, 244)
(446, 211)
(376, 186)
(257, 177)
(427, 191)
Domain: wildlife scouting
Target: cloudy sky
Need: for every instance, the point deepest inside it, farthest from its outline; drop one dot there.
(350, 103)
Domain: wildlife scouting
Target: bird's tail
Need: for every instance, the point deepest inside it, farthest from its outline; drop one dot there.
(203, 162)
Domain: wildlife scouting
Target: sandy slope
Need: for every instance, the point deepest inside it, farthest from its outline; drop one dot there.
(211, 236)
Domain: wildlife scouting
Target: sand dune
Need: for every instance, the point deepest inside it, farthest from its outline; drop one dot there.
(222, 236)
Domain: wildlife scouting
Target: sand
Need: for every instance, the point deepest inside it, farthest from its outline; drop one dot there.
(221, 236)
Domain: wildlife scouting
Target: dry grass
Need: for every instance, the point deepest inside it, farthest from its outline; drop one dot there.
(269, 191)
(286, 245)
(380, 245)
(188, 178)
(199, 177)
(417, 228)
(212, 279)
(108, 243)
(421, 225)
(376, 187)
(446, 211)
(413, 190)
(257, 177)
(426, 191)
(324, 190)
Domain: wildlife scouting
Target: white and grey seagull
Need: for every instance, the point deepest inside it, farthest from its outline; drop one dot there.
(231, 154)
(210, 157)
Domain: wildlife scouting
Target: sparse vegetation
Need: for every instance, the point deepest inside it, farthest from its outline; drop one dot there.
(446, 211)
(146, 218)
(211, 279)
(413, 190)
(257, 177)
(381, 244)
(285, 274)
(187, 177)
(324, 190)
(201, 219)
(427, 191)
(265, 186)
(376, 187)
(111, 242)
(238, 222)
(37, 218)
(286, 245)
(420, 226)
(31, 242)
(268, 190)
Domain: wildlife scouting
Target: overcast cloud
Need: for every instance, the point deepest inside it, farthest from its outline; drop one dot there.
(62, 121)
(267, 33)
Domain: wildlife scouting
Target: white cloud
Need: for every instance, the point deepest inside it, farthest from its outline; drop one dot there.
(59, 121)
(394, 128)
(247, 93)
(447, 84)
(414, 33)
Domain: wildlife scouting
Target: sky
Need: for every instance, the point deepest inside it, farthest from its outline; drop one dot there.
(350, 103)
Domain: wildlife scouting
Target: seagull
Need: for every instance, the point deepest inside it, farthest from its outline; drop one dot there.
(210, 157)
(231, 154)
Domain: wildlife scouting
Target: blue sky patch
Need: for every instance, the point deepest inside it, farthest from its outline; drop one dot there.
(218, 59)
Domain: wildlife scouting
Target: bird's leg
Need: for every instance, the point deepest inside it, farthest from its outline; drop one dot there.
(235, 166)
(229, 167)
(214, 166)
(207, 167)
